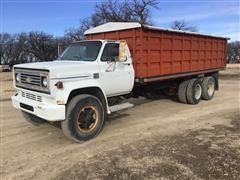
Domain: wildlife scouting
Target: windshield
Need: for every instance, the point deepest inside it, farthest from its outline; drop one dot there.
(82, 51)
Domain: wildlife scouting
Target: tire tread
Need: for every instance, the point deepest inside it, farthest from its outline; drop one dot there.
(204, 84)
(190, 93)
(65, 124)
(182, 91)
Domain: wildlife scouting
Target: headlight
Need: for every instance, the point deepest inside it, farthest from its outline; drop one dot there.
(18, 77)
(45, 82)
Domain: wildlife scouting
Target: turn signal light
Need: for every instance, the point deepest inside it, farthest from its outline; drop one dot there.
(59, 85)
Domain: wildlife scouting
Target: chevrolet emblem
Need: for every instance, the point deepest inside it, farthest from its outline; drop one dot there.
(28, 79)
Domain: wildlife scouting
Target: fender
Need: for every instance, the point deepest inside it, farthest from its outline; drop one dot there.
(78, 85)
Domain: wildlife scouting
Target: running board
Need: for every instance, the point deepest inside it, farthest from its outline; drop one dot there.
(120, 107)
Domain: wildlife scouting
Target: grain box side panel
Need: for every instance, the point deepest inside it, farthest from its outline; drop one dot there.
(167, 53)
(162, 53)
(152, 53)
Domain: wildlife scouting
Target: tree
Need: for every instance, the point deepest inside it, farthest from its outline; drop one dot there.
(43, 46)
(7, 44)
(63, 43)
(123, 11)
(77, 34)
(184, 26)
(114, 11)
(23, 47)
(19, 49)
(141, 11)
(233, 52)
(13, 48)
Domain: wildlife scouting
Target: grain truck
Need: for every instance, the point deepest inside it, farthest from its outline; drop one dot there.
(117, 61)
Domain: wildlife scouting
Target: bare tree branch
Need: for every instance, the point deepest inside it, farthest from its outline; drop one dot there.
(123, 11)
(77, 34)
(233, 52)
(184, 26)
(43, 46)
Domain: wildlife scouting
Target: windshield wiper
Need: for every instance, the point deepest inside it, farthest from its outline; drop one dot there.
(77, 57)
(73, 58)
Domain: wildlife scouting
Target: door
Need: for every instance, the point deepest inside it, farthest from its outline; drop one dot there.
(116, 77)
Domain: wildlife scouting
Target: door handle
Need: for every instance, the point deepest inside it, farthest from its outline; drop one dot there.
(127, 64)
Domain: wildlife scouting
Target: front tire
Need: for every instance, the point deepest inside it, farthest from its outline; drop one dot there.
(85, 118)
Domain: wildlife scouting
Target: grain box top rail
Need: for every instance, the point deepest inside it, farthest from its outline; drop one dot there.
(118, 26)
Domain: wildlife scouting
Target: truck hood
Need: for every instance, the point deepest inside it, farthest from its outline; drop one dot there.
(64, 69)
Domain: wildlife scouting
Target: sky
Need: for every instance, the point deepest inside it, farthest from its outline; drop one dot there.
(216, 17)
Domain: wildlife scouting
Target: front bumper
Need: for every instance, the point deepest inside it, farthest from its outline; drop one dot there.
(47, 111)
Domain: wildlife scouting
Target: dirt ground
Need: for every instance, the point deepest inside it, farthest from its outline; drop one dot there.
(160, 139)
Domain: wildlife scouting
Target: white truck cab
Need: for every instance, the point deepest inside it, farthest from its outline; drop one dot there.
(79, 88)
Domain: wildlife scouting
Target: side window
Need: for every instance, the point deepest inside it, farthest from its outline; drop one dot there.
(110, 52)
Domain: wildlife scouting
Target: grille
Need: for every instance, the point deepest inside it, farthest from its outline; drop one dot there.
(31, 79)
(31, 96)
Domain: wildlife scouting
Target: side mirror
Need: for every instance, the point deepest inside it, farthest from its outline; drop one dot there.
(122, 51)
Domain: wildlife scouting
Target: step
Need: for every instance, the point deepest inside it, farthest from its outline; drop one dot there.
(119, 107)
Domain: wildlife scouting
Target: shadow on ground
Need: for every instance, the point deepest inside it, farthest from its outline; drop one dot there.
(206, 153)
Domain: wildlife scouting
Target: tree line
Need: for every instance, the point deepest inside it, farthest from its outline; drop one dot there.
(29, 47)
(40, 46)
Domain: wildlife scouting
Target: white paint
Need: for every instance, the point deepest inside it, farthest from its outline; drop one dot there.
(116, 26)
(112, 26)
(48, 110)
(116, 77)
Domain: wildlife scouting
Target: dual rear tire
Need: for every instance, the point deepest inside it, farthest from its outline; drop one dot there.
(208, 86)
(191, 91)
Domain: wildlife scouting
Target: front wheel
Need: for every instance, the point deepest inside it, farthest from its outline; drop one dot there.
(85, 118)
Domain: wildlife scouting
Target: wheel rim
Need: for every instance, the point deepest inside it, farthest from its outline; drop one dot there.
(198, 91)
(87, 119)
(210, 88)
